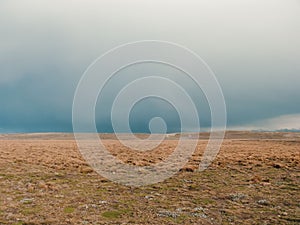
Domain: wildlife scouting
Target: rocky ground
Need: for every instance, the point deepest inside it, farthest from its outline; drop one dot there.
(254, 180)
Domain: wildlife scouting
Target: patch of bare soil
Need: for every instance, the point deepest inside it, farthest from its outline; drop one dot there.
(255, 179)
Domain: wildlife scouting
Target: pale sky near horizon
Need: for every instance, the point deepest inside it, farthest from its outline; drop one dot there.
(252, 46)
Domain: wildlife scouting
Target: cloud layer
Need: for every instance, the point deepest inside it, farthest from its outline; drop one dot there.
(252, 46)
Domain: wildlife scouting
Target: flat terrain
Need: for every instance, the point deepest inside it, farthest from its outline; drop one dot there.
(254, 180)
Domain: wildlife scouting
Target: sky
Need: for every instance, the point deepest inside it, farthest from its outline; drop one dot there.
(252, 46)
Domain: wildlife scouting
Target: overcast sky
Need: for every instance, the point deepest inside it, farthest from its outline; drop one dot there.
(253, 47)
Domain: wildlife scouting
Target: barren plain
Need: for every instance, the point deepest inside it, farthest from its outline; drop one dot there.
(255, 179)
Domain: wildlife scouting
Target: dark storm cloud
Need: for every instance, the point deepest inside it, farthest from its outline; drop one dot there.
(252, 46)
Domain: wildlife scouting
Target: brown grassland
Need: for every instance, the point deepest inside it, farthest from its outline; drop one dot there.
(255, 179)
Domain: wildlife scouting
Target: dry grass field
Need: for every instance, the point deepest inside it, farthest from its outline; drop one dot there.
(254, 180)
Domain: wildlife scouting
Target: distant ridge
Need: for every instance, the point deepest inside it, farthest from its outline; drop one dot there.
(286, 130)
